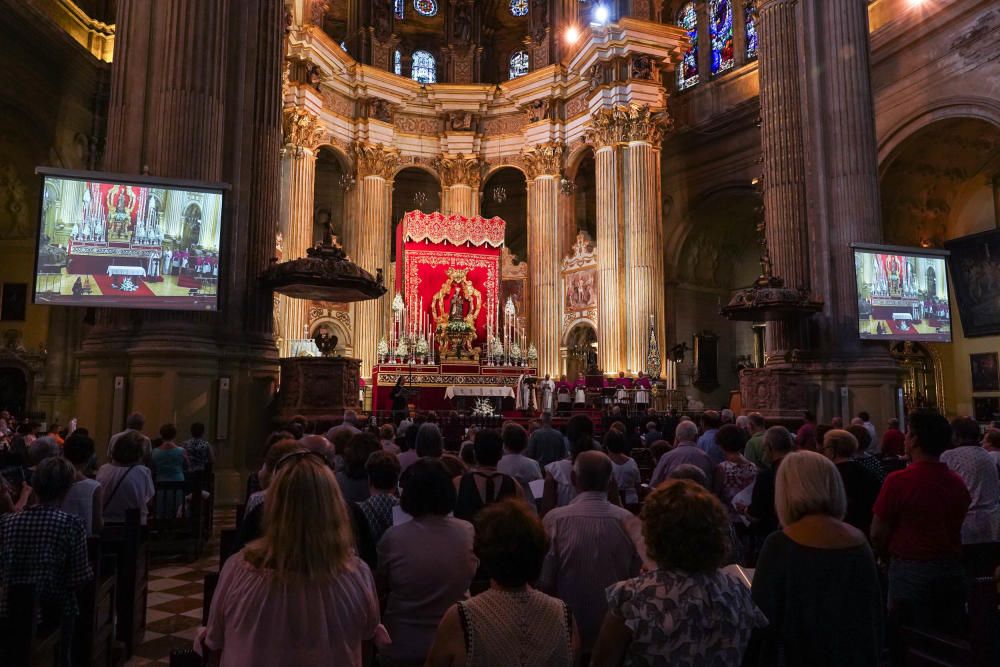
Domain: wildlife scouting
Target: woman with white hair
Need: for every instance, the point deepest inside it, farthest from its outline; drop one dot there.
(816, 579)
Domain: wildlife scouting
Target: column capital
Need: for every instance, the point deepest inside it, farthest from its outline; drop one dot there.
(544, 160)
(459, 170)
(302, 130)
(374, 159)
(622, 124)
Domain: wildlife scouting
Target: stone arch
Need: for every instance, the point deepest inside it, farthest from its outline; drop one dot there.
(972, 107)
(343, 157)
(576, 156)
(420, 166)
(513, 209)
(342, 330)
(581, 332)
(16, 380)
(492, 169)
(678, 236)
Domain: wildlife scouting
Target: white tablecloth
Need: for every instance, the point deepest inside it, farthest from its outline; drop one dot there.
(453, 391)
(126, 271)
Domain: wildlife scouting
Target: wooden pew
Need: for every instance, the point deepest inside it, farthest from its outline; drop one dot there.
(177, 522)
(129, 544)
(23, 643)
(94, 636)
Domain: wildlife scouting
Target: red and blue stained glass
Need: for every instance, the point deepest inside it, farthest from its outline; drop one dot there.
(750, 17)
(687, 72)
(518, 7)
(426, 7)
(520, 63)
(400, 7)
(721, 31)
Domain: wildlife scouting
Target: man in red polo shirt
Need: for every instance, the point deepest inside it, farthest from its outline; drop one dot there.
(893, 440)
(918, 523)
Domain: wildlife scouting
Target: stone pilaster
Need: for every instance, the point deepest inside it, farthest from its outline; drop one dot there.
(370, 243)
(303, 132)
(785, 212)
(544, 166)
(610, 332)
(460, 181)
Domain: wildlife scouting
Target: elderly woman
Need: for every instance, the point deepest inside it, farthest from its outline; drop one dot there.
(861, 486)
(510, 623)
(416, 588)
(126, 483)
(298, 595)
(816, 578)
(687, 611)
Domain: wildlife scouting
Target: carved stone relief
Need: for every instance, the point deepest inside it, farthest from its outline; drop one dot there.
(14, 223)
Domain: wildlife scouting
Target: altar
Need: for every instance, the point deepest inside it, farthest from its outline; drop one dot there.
(449, 336)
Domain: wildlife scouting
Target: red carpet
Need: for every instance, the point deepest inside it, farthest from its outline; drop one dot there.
(187, 281)
(104, 282)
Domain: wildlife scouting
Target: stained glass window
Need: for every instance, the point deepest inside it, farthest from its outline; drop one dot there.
(750, 16)
(397, 62)
(687, 71)
(424, 68)
(721, 32)
(519, 64)
(518, 7)
(426, 7)
(400, 8)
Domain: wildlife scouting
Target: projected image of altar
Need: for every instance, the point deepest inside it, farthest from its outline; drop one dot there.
(451, 337)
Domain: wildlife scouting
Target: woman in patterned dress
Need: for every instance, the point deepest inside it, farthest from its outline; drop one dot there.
(687, 612)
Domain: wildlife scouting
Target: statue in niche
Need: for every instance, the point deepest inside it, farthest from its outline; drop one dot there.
(538, 110)
(313, 77)
(642, 67)
(463, 24)
(460, 120)
(379, 109)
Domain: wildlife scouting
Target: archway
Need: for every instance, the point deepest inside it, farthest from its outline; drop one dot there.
(941, 181)
(413, 189)
(585, 198)
(581, 349)
(328, 195)
(13, 390)
(505, 194)
(331, 326)
(191, 231)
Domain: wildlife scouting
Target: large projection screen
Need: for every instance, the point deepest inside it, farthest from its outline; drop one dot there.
(902, 293)
(113, 241)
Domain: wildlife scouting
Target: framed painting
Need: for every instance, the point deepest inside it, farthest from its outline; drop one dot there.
(975, 267)
(985, 371)
(986, 408)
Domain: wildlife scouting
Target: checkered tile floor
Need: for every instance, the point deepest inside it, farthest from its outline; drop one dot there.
(173, 612)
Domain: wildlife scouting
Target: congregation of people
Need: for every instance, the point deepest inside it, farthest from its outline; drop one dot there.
(678, 540)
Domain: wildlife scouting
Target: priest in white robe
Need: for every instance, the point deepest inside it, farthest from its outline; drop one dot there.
(547, 387)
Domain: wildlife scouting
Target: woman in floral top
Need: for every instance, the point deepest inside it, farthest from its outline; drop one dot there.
(686, 612)
(735, 473)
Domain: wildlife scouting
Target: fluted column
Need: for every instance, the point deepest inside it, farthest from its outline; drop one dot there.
(370, 243)
(610, 333)
(845, 141)
(785, 212)
(544, 165)
(460, 179)
(644, 277)
(298, 179)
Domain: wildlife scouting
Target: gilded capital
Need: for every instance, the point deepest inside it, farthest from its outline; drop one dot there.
(622, 124)
(374, 159)
(544, 159)
(459, 169)
(302, 129)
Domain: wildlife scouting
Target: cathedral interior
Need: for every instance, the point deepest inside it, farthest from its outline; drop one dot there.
(650, 158)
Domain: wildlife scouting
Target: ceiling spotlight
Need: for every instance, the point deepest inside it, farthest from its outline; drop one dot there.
(601, 14)
(916, 3)
(572, 34)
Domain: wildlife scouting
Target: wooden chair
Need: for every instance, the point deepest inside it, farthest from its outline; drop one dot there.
(94, 634)
(129, 544)
(177, 522)
(23, 643)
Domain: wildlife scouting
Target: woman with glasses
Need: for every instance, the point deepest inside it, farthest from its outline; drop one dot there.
(298, 595)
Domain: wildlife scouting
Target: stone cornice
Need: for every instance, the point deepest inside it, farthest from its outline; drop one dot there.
(459, 170)
(374, 159)
(623, 124)
(544, 160)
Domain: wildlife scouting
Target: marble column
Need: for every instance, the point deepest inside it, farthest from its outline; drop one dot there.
(785, 212)
(843, 126)
(544, 167)
(643, 246)
(370, 244)
(460, 180)
(610, 333)
(303, 132)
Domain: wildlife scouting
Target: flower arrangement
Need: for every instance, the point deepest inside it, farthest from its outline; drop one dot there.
(128, 286)
(458, 326)
(421, 346)
(401, 349)
(483, 408)
(515, 350)
(496, 347)
(382, 349)
(532, 352)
